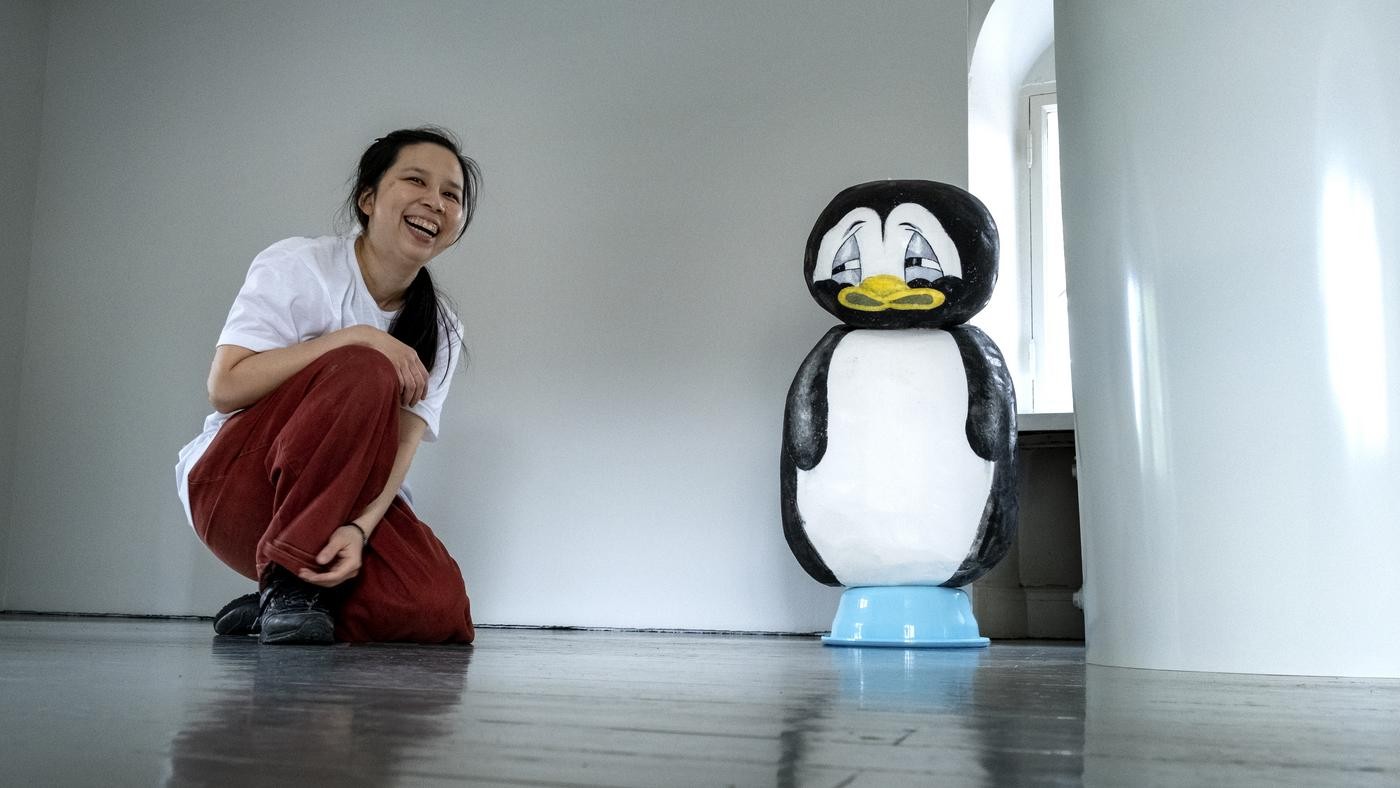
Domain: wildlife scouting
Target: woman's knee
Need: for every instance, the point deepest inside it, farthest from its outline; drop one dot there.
(361, 370)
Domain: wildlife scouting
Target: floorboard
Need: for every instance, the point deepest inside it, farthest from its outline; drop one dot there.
(144, 702)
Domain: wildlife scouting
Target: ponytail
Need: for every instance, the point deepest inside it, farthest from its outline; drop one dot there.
(422, 319)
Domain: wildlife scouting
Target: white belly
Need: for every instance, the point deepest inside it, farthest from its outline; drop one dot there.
(899, 494)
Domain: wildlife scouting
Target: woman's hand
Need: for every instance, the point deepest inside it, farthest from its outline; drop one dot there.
(413, 376)
(341, 557)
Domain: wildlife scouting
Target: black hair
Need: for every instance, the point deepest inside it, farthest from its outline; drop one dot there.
(423, 314)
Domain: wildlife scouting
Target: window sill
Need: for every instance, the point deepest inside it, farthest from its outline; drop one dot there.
(1045, 422)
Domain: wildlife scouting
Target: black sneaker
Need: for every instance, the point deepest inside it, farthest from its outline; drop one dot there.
(295, 611)
(239, 617)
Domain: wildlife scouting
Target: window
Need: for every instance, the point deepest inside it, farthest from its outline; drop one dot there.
(1046, 318)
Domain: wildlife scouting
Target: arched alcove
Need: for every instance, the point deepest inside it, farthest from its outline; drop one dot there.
(1012, 62)
(1013, 47)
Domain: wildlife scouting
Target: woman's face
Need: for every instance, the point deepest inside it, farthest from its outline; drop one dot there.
(415, 212)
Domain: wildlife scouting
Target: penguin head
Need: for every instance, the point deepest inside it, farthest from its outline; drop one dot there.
(902, 254)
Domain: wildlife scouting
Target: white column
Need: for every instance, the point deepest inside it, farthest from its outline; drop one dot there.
(1231, 185)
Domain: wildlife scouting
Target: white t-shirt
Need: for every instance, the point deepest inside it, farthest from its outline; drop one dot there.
(300, 289)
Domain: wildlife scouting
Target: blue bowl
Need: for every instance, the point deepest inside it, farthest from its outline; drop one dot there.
(905, 617)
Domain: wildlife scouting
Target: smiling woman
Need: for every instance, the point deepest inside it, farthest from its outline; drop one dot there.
(331, 368)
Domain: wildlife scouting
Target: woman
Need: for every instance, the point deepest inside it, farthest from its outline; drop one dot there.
(331, 368)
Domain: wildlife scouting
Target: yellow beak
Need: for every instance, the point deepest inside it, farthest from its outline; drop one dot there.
(882, 292)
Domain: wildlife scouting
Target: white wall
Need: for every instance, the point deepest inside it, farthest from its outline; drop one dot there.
(23, 28)
(1043, 70)
(632, 291)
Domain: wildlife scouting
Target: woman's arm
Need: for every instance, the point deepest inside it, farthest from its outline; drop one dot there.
(240, 377)
(343, 553)
(411, 428)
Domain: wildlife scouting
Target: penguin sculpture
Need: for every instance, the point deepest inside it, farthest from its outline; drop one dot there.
(899, 446)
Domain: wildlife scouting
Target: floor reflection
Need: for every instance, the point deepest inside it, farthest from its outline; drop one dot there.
(957, 713)
(1029, 713)
(340, 714)
(99, 702)
(803, 719)
(907, 679)
(1172, 727)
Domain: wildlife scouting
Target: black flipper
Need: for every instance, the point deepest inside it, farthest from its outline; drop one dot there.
(804, 443)
(991, 432)
(991, 397)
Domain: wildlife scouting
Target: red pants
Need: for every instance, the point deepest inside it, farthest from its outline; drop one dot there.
(304, 460)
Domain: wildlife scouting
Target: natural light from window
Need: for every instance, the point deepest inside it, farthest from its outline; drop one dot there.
(1048, 316)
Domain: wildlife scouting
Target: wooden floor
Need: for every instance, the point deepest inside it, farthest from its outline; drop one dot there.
(139, 702)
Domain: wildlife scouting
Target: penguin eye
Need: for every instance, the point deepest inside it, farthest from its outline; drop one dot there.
(845, 266)
(919, 260)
